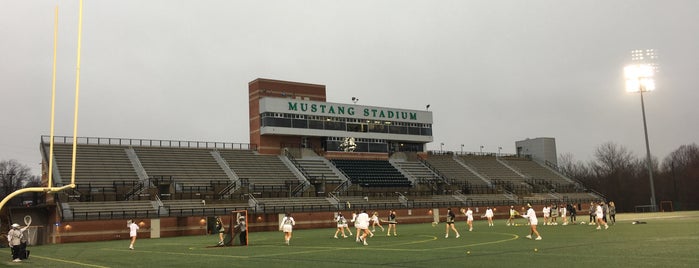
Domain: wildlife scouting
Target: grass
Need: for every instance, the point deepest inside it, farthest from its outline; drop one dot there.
(667, 240)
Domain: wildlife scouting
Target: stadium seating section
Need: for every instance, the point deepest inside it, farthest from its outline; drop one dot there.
(117, 181)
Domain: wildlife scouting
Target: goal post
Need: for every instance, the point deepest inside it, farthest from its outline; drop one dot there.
(237, 234)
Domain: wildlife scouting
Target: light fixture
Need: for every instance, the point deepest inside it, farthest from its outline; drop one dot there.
(639, 78)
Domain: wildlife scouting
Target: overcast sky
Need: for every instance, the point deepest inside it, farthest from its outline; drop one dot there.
(494, 72)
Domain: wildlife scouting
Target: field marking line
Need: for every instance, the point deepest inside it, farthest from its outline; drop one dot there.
(177, 253)
(71, 262)
(514, 237)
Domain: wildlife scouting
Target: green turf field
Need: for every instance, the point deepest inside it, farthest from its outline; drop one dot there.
(667, 240)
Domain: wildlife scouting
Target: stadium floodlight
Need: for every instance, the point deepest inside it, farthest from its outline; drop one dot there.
(441, 147)
(639, 78)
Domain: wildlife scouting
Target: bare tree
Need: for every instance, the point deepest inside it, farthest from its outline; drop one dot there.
(612, 158)
(14, 176)
(571, 168)
(679, 178)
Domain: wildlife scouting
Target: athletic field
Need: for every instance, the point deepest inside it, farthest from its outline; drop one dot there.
(666, 240)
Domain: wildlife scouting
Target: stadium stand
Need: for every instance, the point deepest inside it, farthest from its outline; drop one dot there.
(490, 167)
(536, 171)
(109, 210)
(102, 173)
(372, 173)
(457, 174)
(263, 174)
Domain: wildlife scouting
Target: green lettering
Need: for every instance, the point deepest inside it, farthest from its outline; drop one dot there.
(293, 106)
(350, 110)
(314, 107)
(322, 108)
(366, 112)
(340, 110)
(381, 114)
(331, 110)
(390, 114)
(304, 107)
(413, 116)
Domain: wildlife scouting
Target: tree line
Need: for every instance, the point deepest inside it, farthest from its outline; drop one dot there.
(623, 178)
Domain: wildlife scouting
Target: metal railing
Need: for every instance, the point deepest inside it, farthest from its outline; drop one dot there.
(149, 143)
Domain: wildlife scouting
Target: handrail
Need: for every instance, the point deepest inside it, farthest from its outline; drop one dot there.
(149, 143)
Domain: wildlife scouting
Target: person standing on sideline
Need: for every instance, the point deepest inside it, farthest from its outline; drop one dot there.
(489, 215)
(220, 230)
(531, 216)
(392, 223)
(341, 223)
(450, 223)
(362, 224)
(14, 237)
(612, 212)
(599, 214)
(571, 208)
(286, 226)
(592, 213)
(511, 219)
(133, 232)
(375, 221)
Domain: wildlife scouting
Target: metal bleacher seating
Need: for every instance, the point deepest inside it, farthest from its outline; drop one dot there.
(100, 171)
(262, 172)
(453, 170)
(188, 167)
(372, 173)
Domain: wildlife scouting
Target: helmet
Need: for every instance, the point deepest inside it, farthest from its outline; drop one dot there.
(14, 225)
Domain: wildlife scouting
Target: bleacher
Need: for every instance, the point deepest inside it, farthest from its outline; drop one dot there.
(102, 173)
(371, 202)
(489, 167)
(299, 204)
(109, 210)
(372, 173)
(435, 201)
(195, 207)
(318, 169)
(453, 170)
(105, 176)
(190, 168)
(537, 171)
(263, 172)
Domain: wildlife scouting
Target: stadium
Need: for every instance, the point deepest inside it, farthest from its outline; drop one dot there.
(305, 156)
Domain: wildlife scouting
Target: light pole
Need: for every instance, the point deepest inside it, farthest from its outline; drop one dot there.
(499, 148)
(462, 149)
(639, 78)
(481, 149)
(441, 147)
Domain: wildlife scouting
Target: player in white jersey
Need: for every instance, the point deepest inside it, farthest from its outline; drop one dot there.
(531, 216)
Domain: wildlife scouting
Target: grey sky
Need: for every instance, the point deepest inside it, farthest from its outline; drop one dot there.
(493, 71)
